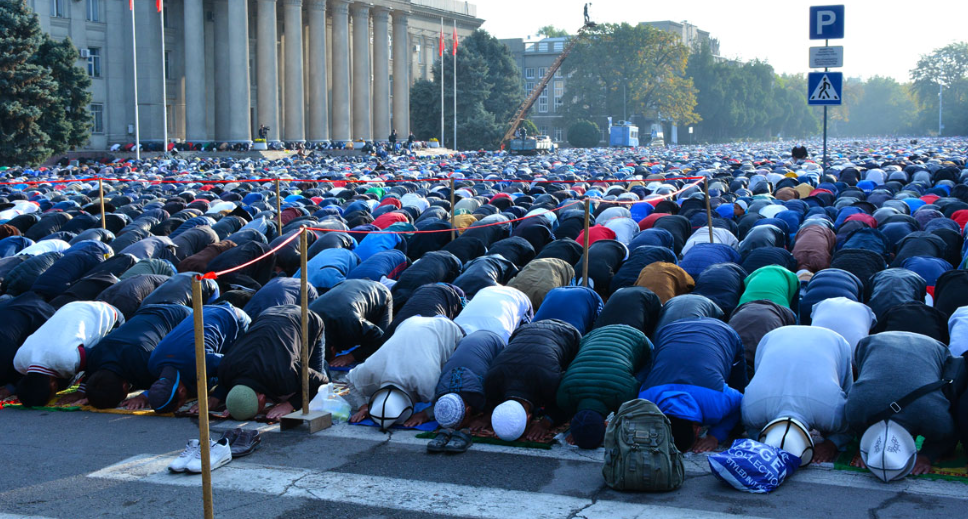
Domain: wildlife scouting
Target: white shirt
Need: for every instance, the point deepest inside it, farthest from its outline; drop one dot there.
(497, 309)
(53, 348)
(958, 330)
(45, 246)
(702, 236)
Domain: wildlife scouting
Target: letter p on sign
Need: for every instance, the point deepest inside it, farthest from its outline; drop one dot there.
(826, 22)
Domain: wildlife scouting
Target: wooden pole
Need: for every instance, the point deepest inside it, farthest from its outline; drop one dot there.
(278, 208)
(201, 380)
(304, 291)
(584, 263)
(709, 211)
(100, 190)
(453, 219)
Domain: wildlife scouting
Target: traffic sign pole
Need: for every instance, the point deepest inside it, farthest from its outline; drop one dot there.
(823, 165)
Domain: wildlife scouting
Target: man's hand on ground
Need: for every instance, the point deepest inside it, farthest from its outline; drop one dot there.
(826, 451)
(136, 403)
(706, 444)
(537, 431)
(342, 361)
(279, 410)
(922, 465)
(417, 419)
(76, 398)
(480, 424)
(213, 403)
(858, 462)
(360, 415)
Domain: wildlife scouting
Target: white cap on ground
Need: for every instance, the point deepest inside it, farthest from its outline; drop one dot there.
(888, 450)
(790, 435)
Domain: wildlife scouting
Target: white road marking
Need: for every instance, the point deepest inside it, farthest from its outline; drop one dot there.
(16, 516)
(395, 493)
(695, 464)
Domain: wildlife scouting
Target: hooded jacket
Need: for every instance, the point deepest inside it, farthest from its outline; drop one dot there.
(602, 376)
(464, 371)
(531, 366)
(59, 348)
(268, 357)
(698, 370)
(355, 312)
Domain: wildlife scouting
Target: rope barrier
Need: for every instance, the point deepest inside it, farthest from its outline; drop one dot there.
(348, 180)
(216, 275)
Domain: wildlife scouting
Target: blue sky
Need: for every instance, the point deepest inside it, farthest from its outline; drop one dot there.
(882, 37)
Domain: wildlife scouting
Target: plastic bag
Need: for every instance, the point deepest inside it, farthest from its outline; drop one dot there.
(328, 401)
(753, 467)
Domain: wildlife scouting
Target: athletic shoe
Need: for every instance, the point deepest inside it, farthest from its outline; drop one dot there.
(191, 450)
(220, 453)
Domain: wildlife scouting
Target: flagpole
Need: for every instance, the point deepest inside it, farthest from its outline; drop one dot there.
(134, 57)
(455, 85)
(164, 80)
(441, 81)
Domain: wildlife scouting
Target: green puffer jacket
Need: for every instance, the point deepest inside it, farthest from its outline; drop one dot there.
(602, 376)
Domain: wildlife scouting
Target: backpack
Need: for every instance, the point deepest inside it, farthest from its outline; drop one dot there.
(640, 454)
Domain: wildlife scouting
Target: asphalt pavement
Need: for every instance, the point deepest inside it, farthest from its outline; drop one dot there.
(79, 464)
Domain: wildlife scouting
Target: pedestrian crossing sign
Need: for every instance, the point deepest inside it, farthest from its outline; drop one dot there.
(825, 88)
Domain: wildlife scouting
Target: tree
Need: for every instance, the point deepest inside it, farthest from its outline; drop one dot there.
(488, 92)
(550, 31)
(67, 122)
(879, 106)
(584, 134)
(949, 66)
(27, 88)
(528, 125)
(623, 70)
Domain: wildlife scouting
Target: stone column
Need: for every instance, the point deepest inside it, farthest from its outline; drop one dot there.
(318, 97)
(238, 72)
(222, 122)
(268, 69)
(341, 70)
(295, 95)
(381, 73)
(362, 97)
(194, 71)
(430, 50)
(401, 74)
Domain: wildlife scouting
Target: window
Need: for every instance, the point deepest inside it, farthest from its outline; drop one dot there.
(528, 47)
(167, 64)
(543, 46)
(559, 93)
(558, 73)
(94, 62)
(559, 135)
(529, 87)
(542, 130)
(164, 13)
(542, 71)
(420, 57)
(59, 8)
(543, 102)
(559, 46)
(529, 73)
(94, 10)
(97, 118)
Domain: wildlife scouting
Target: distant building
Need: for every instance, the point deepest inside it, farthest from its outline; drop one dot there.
(534, 57)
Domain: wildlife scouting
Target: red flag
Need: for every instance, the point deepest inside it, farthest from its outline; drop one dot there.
(455, 41)
(158, 4)
(131, 5)
(441, 43)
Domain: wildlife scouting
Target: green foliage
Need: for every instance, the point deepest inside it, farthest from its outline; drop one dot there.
(949, 65)
(550, 31)
(488, 92)
(68, 122)
(748, 100)
(43, 109)
(27, 88)
(878, 106)
(619, 70)
(584, 134)
(528, 125)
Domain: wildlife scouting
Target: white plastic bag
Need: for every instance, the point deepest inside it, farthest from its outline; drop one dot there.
(328, 401)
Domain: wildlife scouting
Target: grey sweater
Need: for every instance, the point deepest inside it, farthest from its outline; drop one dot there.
(891, 365)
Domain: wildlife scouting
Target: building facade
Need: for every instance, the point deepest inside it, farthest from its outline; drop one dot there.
(534, 57)
(310, 70)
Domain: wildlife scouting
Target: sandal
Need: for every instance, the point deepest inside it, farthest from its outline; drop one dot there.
(459, 442)
(439, 443)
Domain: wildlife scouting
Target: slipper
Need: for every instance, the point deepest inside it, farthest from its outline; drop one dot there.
(246, 443)
(459, 442)
(439, 443)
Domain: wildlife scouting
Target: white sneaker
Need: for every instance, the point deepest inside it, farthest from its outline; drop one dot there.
(182, 460)
(220, 453)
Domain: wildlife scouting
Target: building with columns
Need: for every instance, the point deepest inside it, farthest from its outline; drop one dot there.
(310, 70)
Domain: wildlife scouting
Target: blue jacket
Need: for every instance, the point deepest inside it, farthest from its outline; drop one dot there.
(224, 324)
(576, 305)
(698, 369)
(330, 267)
(388, 263)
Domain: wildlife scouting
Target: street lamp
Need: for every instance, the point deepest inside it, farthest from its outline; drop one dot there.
(940, 106)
